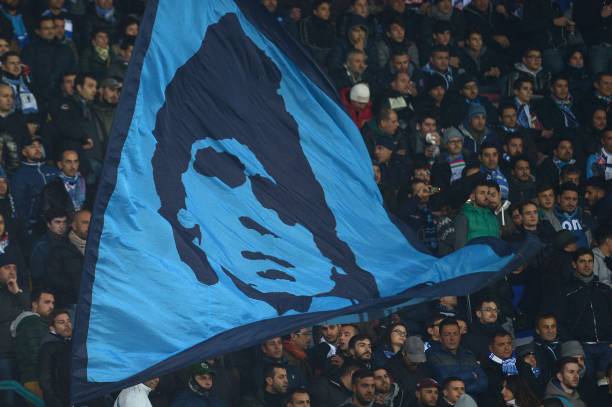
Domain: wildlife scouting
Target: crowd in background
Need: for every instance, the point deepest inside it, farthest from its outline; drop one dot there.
(482, 119)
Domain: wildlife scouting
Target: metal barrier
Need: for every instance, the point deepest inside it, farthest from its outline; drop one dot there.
(31, 398)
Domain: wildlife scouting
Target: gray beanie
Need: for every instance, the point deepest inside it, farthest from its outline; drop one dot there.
(571, 349)
(466, 401)
(451, 133)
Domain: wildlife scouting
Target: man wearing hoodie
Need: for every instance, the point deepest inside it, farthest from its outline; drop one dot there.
(55, 354)
(475, 130)
(386, 392)
(565, 382)
(28, 331)
(530, 67)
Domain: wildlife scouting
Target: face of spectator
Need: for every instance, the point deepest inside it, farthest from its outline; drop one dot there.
(110, 95)
(514, 147)
(377, 173)
(56, 4)
(599, 120)
(450, 337)
(474, 42)
(363, 390)
(396, 33)
(606, 141)
(360, 7)
(470, 90)
(299, 400)
(398, 335)
(279, 383)
(7, 273)
(488, 312)
(480, 196)
(126, 54)
(59, 24)
(604, 85)
(100, 40)
(62, 326)
(442, 38)
(44, 305)
(270, 5)
(3, 187)
(437, 94)
(502, 346)
(569, 376)
(573, 177)
(33, 152)
(46, 30)
(454, 390)
(524, 93)
(454, 146)
(564, 151)
(422, 174)
(70, 163)
(4, 46)
(401, 83)
(440, 61)
(478, 122)
(346, 333)
(390, 124)
(508, 117)
(205, 381)
(356, 63)
(88, 90)
(522, 170)
(273, 348)
(506, 393)
(6, 99)
(105, 4)
(357, 34)
(58, 226)
(584, 265)
(434, 330)
(560, 89)
(547, 329)
(576, 60)
(489, 158)
(152, 384)
(428, 396)
(400, 63)
(68, 84)
(302, 338)
(481, 5)
(382, 382)
(330, 333)
(530, 216)
(382, 154)
(568, 201)
(592, 195)
(494, 198)
(428, 125)
(546, 199)
(132, 29)
(362, 350)
(12, 65)
(533, 60)
(398, 5)
(80, 224)
(445, 6)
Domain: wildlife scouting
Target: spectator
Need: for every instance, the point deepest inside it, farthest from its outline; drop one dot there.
(66, 262)
(392, 343)
(482, 15)
(476, 218)
(588, 385)
(363, 385)
(457, 106)
(489, 165)
(343, 63)
(99, 55)
(487, 323)
(352, 70)
(356, 100)
(600, 163)
(326, 348)
(48, 59)
(530, 67)
(317, 31)
(201, 386)
(274, 389)
(408, 368)
(55, 354)
(386, 392)
(346, 333)
(565, 382)
(298, 398)
(453, 388)
(439, 64)
(500, 365)
(481, 62)
(549, 170)
(451, 359)
(449, 165)
(522, 184)
(515, 392)
(57, 222)
(427, 393)
(104, 106)
(137, 395)
(11, 11)
(597, 200)
(395, 40)
(73, 182)
(119, 65)
(601, 251)
(558, 111)
(28, 331)
(102, 15)
(295, 348)
(360, 347)
(13, 75)
(401, 98)
(332, 391)
(570, 216)
(476, 132)
(530, 369)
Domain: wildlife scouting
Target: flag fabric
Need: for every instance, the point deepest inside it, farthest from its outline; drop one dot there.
(237, 202)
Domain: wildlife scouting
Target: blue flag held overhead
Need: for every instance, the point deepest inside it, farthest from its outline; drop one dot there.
(237, 202)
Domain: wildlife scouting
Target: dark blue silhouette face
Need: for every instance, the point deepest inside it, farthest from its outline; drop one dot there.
(203, 161)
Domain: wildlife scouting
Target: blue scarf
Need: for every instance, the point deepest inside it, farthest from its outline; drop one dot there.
(107, 14)
(566, 109)
(524, 115)
(75, 186)
(448, 75)
(560, 164)
(24, 98)
(508, 365)
(499, 178)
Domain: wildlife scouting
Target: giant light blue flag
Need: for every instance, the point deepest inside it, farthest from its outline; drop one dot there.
(237, 203)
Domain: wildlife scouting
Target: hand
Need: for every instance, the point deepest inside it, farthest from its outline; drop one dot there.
(379, 398)
(501, 9)
(606, 11)
(88, 144)
(336, 361)
(502, 40)
(13, 286)
(295, 14)
(454, 62)
(561, 21)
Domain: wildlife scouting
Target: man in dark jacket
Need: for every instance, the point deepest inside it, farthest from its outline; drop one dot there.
(327, 390)
(29, 329)
(41, 249)
(593, 19)
(48, 59)
(558, 111)
(501, 362)
(200, 390)
(66, 261)
(55, 354)
(487, 322)
(547, 344)
(101, 15)
(103, 108)
(386, 392)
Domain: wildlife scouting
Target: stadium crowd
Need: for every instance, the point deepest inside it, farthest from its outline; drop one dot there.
(482, 118)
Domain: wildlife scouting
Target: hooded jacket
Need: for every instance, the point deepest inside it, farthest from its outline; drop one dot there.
(554, 390)
(540, 78)
(28, 331)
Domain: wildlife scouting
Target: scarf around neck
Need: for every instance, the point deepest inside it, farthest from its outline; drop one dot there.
(508, 365)
(77, 241)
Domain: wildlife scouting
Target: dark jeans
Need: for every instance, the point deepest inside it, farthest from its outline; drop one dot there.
(597, 357)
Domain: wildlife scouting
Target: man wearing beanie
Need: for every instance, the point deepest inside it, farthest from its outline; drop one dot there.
(475, 130)
(587, 386)
(458, 103)
(200, 388)
(449, 165)
(13, 300)
(356, 101)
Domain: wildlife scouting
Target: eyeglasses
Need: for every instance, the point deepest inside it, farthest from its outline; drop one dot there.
(487, 309)
(399, 333)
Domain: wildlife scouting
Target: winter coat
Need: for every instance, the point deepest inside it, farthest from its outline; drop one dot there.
(188, 398)
(64, 272)
(462, 364)
(327, 392)
(600, 268)
(554, 390)
(91, 62)
(55, 360)
(28, 331)
(478, 337)
(27, 184)
(11, 305)
(395, 398)
(541, 79)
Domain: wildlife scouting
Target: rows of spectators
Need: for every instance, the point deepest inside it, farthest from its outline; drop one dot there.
(482, 119)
